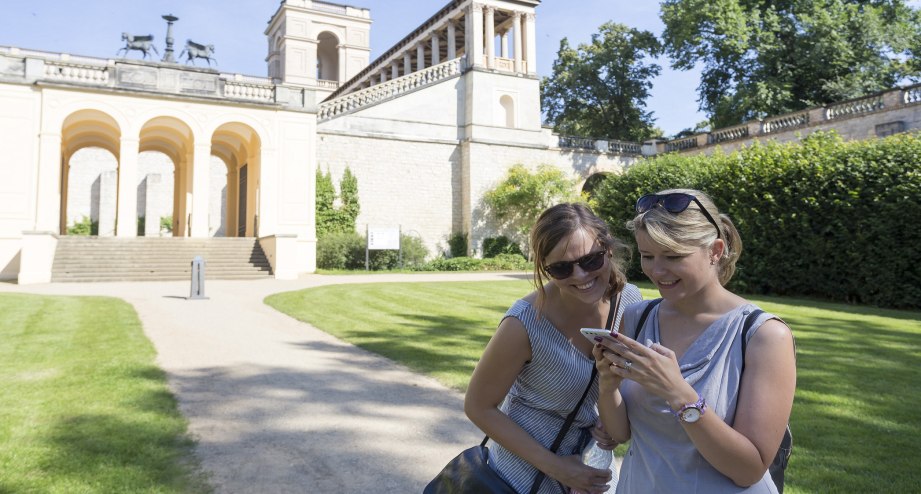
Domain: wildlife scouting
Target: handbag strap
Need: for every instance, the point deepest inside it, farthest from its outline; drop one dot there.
(539, 478)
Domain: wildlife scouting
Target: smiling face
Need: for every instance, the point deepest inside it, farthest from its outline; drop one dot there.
(586, 287)
(676, 275)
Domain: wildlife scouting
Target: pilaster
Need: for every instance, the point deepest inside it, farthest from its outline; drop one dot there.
(48, 202)
(490, 36)
(201, 178)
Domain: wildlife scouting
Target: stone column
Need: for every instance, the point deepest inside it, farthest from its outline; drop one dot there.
(343, 73)
(531, 44)
(394, 70)
(490, 36)
(407, 63)
(436, 50)
(420, 56)
(49, 193)
(201, 178)
(126, 220)
(474, 35)
(452, 41)
(383, 76)
(516, 25)
(503, 45)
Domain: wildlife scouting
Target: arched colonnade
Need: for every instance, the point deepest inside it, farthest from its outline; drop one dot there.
(189, 143)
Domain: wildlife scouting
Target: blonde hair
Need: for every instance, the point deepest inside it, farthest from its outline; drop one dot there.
(556, 224)
(690, 230)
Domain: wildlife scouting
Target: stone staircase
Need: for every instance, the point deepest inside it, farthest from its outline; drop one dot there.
(80, 258)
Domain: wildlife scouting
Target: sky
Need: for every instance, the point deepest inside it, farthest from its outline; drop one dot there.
(236, 29)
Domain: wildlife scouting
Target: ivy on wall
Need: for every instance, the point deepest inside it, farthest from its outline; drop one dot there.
(333, 217)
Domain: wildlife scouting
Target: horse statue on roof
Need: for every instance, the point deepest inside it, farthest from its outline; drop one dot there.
(143, 44)
(195, 50)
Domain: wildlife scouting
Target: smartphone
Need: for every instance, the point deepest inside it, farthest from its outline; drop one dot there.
(591, 333)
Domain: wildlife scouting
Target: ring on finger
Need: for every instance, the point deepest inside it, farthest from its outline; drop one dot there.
(627, 365)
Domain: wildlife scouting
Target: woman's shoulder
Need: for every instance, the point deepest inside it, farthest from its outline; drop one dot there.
(630, 294)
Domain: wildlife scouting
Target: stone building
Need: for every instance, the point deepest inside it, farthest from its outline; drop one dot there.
(427, 128)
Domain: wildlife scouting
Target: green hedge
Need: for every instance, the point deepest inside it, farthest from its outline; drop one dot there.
(346, 250)
(821, 218)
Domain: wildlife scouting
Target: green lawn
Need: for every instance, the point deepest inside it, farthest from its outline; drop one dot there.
(84, 408)
(857, 415)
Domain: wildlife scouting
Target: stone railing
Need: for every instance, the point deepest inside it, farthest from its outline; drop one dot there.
(728, 134)
(785, 122)
(912, 95)
(390, 89)
(681, 144)
(75, 72)
(251, 92)
(599, 145)
(325, 84)
(855, 107)
(29, 66)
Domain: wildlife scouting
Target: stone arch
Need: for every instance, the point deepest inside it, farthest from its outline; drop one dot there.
(508, 107)
(164, 190)
(239, 146)
(588, 187)
(328, 56)
(92, 193)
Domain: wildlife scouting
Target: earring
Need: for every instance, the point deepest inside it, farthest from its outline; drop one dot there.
(712, 262)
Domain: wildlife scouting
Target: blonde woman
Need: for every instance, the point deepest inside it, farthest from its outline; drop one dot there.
(676, 391)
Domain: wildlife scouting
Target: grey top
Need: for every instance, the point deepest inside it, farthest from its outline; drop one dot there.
(661, 457)
(545, 392)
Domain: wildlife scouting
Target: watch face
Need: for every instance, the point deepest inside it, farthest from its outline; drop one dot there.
(690, 415)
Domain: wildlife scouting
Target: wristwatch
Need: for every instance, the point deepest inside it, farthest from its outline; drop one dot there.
(692, 412)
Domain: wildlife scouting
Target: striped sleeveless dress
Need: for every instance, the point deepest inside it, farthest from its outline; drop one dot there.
(544, 393)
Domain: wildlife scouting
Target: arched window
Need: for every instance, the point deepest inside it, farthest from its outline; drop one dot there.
(508, 104)
(328, 57)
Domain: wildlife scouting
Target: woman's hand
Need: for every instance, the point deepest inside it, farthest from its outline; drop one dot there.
(654, 367)
(572, 473)
(601, 436)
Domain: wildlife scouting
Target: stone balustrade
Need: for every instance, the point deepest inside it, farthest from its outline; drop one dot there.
(728, 134)
(79, 73)
(30, 66)
(390, 89)
(251, 92)
(855, 107)
(599, 145)
(681, 144)
(785, 122)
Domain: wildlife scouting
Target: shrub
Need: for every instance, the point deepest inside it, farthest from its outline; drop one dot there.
(343, 250)
(86, 226)
(507, 262)
(166, 224)
(142, 225)
(453, 264)
(457, 244)
(822, 218)
(494, 246)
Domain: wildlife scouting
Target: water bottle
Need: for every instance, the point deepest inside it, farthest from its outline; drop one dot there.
(601, 459)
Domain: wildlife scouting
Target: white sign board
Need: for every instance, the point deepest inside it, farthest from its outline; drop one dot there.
(383, 238)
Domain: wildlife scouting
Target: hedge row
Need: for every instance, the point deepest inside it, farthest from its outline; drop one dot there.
(821, 218)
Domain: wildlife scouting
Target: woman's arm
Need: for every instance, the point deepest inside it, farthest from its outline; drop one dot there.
(502, 361)
(743, 452)
(611, 407)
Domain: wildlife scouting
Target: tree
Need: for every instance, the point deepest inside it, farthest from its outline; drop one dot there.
(765, 58)
(600, 88)
(326, 197)
(517, 201)
(348, 193)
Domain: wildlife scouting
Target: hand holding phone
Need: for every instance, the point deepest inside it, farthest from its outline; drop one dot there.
(592, 333)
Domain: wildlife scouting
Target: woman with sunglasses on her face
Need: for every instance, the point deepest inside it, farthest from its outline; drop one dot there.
(676, 390)
(537, 365)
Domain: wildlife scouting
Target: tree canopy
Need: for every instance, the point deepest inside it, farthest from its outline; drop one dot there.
(599, 89)
(763, 58)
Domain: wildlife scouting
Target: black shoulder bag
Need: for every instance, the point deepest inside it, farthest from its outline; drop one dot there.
(782, 458)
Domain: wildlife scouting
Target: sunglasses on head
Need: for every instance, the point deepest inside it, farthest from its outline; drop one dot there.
(589, 262)
(674, 202)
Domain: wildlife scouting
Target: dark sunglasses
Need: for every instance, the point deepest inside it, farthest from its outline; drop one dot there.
(675, 203)
(589, 262)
